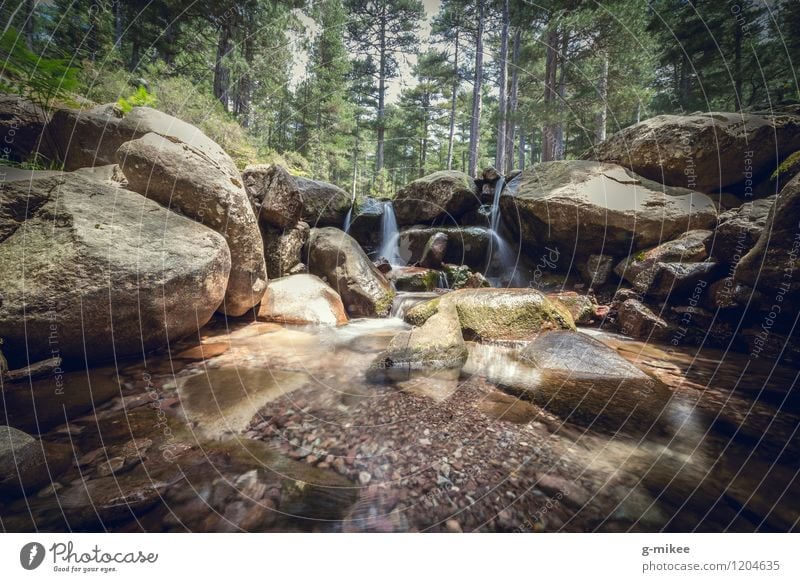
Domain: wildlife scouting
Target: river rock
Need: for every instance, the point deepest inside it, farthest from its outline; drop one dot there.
(581, 205)
(739, 229)
(414, 278)
(582, 380)
(582, 308)
(703, 151)
(435, 251)
(26, 464)
(578, 355)
(461, 276)
(445, 193)
(468, 245)
(283, 250)
(596, 269)
(324, 204)
(79, 254)
(640, 269)
(771, 266)
(638, 321)
(337, 259)
(274, 194)
(674, 281)
(437, 344)
(22, 130)
(498, 314)
(186, 179)
(301, 300)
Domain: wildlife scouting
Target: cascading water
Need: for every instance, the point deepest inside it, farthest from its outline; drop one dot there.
(390, 235)
(494, 216)
(443, 283)
(500, 257)
(348, 219)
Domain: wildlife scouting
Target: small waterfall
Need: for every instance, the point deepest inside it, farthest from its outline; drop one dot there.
(494, 216)
(390, 235)
(348, 219)
(500, 257)
(443, 283)
(404, 301)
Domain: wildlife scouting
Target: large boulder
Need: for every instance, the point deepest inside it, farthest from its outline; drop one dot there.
(592, 206)
(578, 355)
(771, 266)
(445, 193)
(94, 271)
(739, 229)
(437, 344)
(336, 258)
(22, 130)
(283, 250)
(274, 195)
(26, 463)
(91, 137)
(704, 151)
(584, 381)
(468, 245)
(301, 300)
(324, 204)
(498, 314)
(183, 178)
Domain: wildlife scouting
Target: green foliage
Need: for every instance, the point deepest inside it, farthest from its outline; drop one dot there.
(28, 74)
(140, 98)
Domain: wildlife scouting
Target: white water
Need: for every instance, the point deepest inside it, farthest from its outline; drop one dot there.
(390, 236)
(347, 219)
(443, 283)
(494, 216)
(500, 257)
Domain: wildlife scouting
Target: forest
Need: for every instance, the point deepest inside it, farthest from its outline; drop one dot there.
(370, 94)
(400, 266)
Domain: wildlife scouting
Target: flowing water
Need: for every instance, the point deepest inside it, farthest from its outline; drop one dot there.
(262, 427)
(348, 218)
(390, 236)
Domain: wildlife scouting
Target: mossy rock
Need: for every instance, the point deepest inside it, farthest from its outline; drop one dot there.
(498, 314)
(787, 169)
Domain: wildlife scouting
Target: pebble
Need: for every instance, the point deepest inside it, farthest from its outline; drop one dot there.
(364, 477)
(453, 526)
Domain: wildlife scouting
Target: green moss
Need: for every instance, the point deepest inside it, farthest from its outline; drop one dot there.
(384, 305)
(419, 314)
(788, 168)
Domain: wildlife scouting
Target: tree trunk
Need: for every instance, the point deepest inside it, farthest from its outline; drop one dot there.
(244, 85)
(221, 71)
(453, 104)
(30, 9)
(737, 66)
(500, 157)
(381, 93)
(512, 102)
(475, 122)
(602, 93)
(118, 24)
(521, 150)
(548, 150)
(560, 140)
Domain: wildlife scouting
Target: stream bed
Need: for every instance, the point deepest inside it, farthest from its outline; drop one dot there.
(260, 427)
